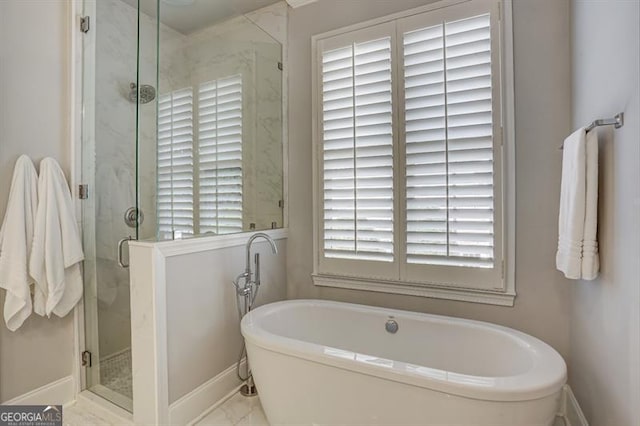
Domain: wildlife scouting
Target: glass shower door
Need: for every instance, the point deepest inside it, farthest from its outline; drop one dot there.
(118, 99)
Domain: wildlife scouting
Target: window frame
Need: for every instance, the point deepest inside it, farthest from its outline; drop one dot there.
(401, 277)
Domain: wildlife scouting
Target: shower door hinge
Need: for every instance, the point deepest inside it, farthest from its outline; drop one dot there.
(86, 359)
(85, 24)
(83, 191)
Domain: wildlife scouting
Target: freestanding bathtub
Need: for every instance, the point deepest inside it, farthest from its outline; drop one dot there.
(329, 363)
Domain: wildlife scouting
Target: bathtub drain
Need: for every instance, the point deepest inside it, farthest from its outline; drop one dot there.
(391, 326)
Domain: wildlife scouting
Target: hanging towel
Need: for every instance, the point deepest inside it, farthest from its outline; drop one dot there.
(16, 235)
(577, 254)
(590, 256)
(57, 248)
(572, 205)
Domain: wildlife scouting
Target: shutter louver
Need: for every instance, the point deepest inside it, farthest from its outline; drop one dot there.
(358, 152)
(449, 144)
(220, 155)
(175, 162)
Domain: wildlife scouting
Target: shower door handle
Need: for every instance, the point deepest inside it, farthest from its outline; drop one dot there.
(120, 246)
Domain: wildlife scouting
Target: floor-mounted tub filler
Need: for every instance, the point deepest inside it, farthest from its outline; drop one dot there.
(321, 362)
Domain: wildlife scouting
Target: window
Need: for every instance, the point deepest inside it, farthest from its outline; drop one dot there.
(217, 208)
(410, 116)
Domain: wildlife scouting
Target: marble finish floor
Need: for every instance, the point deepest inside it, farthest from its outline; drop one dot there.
(235, 411)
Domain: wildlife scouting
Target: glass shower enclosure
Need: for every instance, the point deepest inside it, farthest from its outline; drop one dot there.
(181, 137)
(119, 80)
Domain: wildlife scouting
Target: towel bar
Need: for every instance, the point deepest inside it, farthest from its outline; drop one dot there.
(617, 121)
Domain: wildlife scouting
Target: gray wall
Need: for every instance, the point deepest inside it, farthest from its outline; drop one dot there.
(33, 121)
(605, 315)
(542, 79)
(203, 326)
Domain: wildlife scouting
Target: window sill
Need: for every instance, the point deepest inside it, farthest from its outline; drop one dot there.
(411, 289)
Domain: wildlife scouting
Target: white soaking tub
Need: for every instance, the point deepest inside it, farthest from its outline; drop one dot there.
(328, 363)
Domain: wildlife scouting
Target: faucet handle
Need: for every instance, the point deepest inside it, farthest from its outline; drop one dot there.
(236, 281)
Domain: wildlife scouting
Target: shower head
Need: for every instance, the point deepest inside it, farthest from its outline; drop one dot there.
(147, 93)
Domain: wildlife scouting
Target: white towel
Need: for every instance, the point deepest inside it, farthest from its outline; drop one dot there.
(16, 235)
(57, 248)
(577, 224)
(572, 205)
(590, 256)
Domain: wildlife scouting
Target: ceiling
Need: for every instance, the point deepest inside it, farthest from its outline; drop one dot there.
(193, 15)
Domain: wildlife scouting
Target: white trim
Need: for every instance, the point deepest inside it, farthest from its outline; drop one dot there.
(79, 117)
(509, 146)
(195, 405)
(436, 292)
(215, 406)
(570, 410)
(200, 244)
(149, 335)
(75, 61)
(299, 3)
(387, 18)
(60, 392)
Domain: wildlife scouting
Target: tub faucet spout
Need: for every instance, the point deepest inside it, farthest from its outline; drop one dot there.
(246, 295)
(254, 237)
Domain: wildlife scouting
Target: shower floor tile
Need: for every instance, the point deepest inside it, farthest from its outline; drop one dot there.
(115, 373)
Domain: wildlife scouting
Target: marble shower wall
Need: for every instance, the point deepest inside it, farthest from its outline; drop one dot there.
(251, 46)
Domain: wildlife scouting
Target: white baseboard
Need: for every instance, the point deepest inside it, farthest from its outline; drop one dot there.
(60, 392)
(571, 411)
(199, 401)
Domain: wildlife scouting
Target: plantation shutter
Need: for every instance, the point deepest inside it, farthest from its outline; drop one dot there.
(451, 75)
(449, 144)
(357, 153)
(220, 155)
(175, 162)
